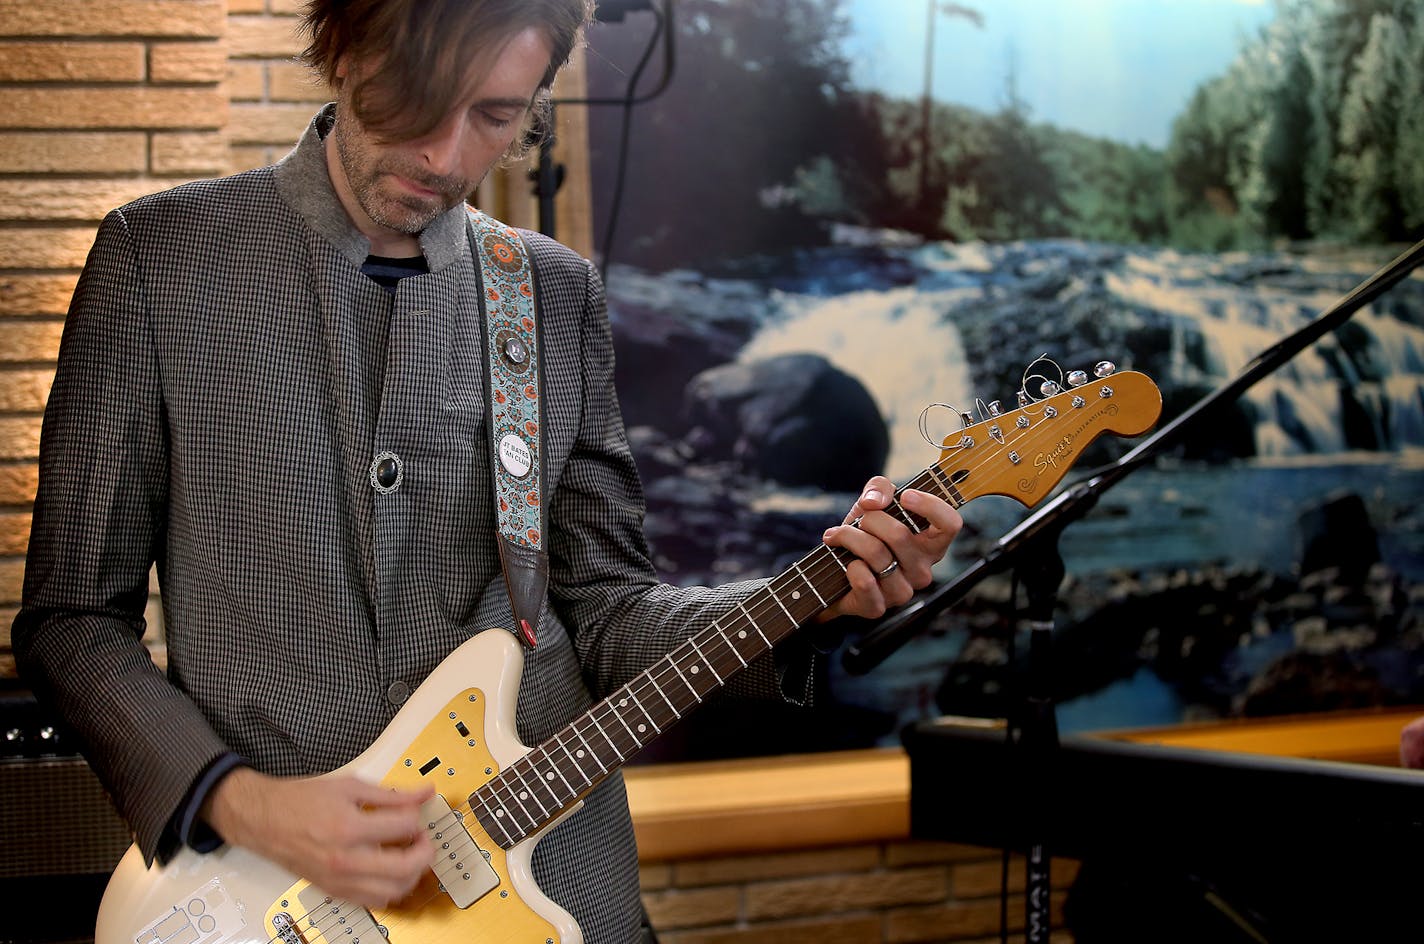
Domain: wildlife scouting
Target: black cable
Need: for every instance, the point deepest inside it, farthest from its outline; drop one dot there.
(611, 11)
(616, 203)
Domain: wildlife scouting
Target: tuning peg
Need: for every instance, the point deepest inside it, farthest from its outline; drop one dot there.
(996, 408)
(1103, 369)
(1076, 378)
(1048, 388)
(1023, 398)
(966, 418)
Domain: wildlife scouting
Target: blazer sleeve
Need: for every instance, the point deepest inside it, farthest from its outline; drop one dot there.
(98, 527)
(603, 582)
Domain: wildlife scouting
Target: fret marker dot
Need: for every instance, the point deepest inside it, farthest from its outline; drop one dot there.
(795, 594)
(623, 703)
(742, 634)
(642, 728)
(549, 775)
(523, 794)
(694, 670)
(578, 753)
(498, 813)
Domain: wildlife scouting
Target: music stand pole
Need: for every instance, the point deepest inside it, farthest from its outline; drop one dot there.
(1040, 570)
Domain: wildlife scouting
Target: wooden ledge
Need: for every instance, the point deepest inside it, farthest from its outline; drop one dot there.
(1356, 737)
(801, 801)
(794, 801)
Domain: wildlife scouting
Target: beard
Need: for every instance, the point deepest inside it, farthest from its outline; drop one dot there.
(371, 169)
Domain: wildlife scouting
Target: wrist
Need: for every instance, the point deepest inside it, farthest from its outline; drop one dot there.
(223, 806)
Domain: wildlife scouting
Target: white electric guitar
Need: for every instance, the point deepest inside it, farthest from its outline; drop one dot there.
(495, 797)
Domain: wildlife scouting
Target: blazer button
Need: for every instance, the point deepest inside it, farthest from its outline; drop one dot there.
(387, 472)
(398, 693)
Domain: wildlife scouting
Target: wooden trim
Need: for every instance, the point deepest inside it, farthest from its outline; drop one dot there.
(1357, 737)
(710, 808)
(735, 807)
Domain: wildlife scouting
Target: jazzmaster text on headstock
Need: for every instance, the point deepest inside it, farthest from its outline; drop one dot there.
(1062, 451)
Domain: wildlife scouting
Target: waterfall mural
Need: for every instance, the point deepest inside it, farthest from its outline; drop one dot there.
(817, 241)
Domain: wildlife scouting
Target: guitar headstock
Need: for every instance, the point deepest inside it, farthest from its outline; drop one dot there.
(1023, 453)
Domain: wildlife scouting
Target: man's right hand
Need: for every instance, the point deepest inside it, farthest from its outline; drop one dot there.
(352, 839)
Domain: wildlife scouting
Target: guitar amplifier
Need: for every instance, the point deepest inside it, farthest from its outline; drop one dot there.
(60, 836)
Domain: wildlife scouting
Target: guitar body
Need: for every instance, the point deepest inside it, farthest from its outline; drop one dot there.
(455, 732)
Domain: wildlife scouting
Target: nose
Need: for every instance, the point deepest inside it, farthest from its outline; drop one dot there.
(441, 148)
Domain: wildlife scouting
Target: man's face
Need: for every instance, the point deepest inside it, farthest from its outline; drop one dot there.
(400, 187)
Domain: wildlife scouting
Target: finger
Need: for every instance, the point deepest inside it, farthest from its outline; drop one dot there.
(375, 795)
(868, 542)
(388, 870)
(888, 542)
(876, 494)
(378, 826)
(944, 520)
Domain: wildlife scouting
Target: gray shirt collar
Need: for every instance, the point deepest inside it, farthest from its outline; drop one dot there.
(303, 182)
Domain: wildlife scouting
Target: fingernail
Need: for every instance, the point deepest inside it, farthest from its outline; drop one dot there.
(828, 533)
(871, 495)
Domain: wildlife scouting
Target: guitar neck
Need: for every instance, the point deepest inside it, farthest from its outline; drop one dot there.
(1021, 454)
(533, 791)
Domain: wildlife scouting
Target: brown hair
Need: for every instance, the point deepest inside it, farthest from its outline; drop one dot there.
(416, 55)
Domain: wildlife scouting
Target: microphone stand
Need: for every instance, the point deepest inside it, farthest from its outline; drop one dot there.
(1032, 548)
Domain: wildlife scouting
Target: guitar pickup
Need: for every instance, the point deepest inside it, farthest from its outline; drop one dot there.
(459, 863)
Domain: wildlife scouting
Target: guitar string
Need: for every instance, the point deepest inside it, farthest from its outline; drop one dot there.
(638, 688)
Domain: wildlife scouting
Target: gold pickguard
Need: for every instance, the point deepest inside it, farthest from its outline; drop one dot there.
(451, 755)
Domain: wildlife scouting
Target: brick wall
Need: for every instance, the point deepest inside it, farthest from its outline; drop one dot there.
(103, 101)
(894, 892)
(100, 102)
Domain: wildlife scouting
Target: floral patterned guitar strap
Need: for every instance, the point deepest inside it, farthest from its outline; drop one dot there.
(514, 392)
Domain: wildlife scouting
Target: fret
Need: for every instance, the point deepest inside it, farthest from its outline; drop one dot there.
(537, 761)
(710, 668)
(742, 605)
(732, 646)
(591, 752)
(642, 731)
(619, 716)
(526, 793)
(794, 620)
(556, 771)
(696, 697)
(937, 474)
(951, 491)
(811, 586)
(529, 817)
(512, 799)
(803, 606)
(606, 737)
(492, 818)
(587, 780)
(659, 689)
(908, 517)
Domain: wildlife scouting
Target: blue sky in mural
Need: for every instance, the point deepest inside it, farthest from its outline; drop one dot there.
(1120, 69)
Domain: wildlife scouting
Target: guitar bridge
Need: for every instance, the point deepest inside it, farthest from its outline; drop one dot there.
(460, 865)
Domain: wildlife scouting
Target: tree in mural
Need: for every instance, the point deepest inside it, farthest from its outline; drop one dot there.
(761, 93)
(1315, 131)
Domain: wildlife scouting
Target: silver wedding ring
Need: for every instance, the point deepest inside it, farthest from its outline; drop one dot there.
(882, 574)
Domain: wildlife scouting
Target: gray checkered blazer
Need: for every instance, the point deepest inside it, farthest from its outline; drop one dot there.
(226, 377)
